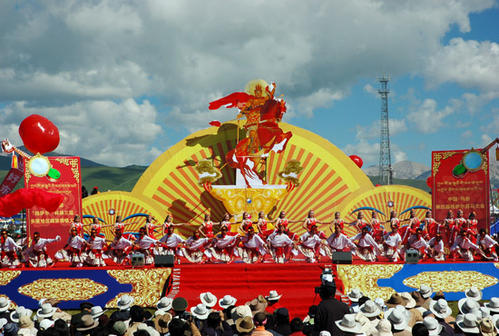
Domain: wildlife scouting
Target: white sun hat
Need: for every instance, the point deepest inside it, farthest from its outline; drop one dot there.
(200, 311)
(273, 296)
(468, 324)
(425, 291)
(208, 299)
(124, 302)
(466, 305)
(97, 312)
(227, 301)
(355, 294)
(370, 309)
(164, 304)
(349, 324)
(473, 293)
(4, 304)
(398, 317)
(493, 304)
(431, 323)
(440, 308)
(45, 312)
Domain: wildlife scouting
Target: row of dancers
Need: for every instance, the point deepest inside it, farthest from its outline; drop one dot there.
(454, 237)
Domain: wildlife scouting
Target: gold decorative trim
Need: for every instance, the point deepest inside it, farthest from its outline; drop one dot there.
(74, 166)
(437, 157)
(147, 284)
(451, 281)
(8, 276)
(63, 289)
(365, 277)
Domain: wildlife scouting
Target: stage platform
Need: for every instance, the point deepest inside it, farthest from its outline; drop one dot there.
(294, 280)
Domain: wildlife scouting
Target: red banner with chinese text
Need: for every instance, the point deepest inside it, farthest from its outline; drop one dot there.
(59, 222)
(468, 191)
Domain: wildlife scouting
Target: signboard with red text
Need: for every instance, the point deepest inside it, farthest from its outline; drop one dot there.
(69, 184)
(461, 181)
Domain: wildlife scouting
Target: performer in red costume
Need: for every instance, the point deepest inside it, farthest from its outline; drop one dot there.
(262, 226)
(411, 229)
(73, 249)
(78, 225)
(96, 246)
(392, 243)
(339, 242)
(206, 228)
(120, 248)
(337, 221)
(36, 254)
(253, 247)
(312, 221)
(367, 247)
(169, 222)
(281, 246)
(310, 245)
(223, 246)
(450, 230)
(195, 248)
(145, 245)
(225, 222)
(9, 250)
(284, 222)
(378, 230)
(488, 246)
(472, 225)
(97, 226)
(246, 223)
(432, 226)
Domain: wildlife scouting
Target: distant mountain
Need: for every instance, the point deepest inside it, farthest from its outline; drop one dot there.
(5, 161)
(402, 170)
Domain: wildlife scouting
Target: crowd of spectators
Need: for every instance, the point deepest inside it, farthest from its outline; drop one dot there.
(419, 313)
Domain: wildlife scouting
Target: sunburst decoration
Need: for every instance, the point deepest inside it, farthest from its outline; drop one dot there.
(399, 197)
(328, 178)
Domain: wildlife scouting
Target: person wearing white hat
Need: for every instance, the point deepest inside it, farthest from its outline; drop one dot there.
(434, 328)
(441, 311)
(208, 299)
(272, 300)
(384, 328)
(164, 304)
(468, 324)
(349, 325)
(473, 293)
(466, 305)
(96, 312)
(20, 311)
(354, 296)
(45, 324)
(370, 310)
(227, 301)
(493, 305)
(200, 311)
(125, 302)
(399, 318)
(4, 308)
(45, 312)
(426, 292)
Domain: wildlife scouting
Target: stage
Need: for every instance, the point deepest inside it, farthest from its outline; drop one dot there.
(294, 280)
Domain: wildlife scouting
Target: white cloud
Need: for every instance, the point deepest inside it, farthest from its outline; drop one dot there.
(371, 89)
(369, 152)
(104, 131)
(372, 131)
(427, 118)
(468, 63)
(74, 55)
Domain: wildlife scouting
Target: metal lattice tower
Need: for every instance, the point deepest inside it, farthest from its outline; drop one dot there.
(385, 161)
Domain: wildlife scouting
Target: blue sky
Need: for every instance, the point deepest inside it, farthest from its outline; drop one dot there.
(125, 80)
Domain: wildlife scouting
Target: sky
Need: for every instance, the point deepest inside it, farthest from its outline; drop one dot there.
(125, 80)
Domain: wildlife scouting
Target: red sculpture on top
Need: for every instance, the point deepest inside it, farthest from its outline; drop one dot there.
(263, 112)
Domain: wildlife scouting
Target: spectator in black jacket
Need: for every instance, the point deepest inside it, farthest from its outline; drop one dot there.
(329, 310)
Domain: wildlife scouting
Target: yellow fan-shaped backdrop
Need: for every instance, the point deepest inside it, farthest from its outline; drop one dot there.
(328, 179)
(403, 197)
(124, 204)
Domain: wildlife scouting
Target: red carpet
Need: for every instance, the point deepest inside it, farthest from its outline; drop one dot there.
(295, 281)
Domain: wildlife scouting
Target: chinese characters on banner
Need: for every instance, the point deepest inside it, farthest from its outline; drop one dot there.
(469, 191)
(59, 222)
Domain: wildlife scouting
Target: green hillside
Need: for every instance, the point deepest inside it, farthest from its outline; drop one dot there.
(124, 179)
(106, 178)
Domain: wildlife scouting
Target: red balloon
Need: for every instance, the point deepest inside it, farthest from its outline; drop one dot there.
(39, 134)
(429, 181)
(358, 161)
(215, 123)
(378, 185)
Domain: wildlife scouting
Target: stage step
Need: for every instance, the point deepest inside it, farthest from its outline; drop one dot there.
(295, 281)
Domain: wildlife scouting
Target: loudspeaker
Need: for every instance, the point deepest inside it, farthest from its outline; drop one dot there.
(167, 260)
(342, 257)
(411, 256)
(137, 259)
